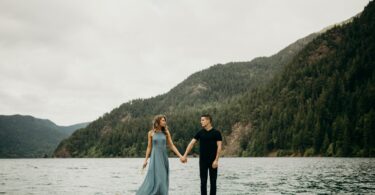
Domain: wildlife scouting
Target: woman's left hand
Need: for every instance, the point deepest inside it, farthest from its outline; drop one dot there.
(144, 164)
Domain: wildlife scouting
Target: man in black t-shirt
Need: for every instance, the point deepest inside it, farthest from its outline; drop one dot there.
(210, 141)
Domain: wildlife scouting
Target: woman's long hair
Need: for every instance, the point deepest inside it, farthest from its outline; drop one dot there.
(156, 122)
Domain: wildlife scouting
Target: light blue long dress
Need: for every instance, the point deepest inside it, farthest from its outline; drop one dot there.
(157, 179)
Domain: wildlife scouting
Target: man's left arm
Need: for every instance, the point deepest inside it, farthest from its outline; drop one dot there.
(215, 164)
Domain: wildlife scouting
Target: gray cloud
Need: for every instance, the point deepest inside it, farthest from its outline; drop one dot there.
(71, 61)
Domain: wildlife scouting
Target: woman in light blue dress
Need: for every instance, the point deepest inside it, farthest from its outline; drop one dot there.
(157, 178)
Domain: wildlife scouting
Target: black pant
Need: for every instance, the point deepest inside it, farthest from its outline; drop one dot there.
(205, 166)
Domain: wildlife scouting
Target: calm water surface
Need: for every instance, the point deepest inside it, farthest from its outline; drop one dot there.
(236, 176)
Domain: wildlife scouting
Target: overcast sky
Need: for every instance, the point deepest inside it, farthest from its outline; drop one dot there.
(71, 61)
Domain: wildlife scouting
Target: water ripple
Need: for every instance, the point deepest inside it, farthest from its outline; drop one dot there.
(235, 176)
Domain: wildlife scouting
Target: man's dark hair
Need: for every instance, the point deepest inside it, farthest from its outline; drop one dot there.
(207, 116)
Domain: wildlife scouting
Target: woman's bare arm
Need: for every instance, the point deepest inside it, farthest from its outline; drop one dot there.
(149, 147)
(171, 145)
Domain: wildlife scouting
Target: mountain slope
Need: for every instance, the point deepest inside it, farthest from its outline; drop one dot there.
(313, 98)
(26, 136)
(323, 102)
(122, 131)
(68, 130)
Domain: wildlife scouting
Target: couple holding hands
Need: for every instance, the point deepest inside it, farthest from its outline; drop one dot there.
(156, 181)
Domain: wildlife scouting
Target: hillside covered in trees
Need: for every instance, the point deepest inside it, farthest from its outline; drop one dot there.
(28, 137)
(315, 97)
(323, 102)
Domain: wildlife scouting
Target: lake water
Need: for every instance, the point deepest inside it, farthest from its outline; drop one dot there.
(235, 176)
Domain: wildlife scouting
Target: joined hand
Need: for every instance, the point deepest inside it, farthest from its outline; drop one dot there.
(183, 159)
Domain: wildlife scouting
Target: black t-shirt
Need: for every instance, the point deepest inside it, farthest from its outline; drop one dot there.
(207, 143)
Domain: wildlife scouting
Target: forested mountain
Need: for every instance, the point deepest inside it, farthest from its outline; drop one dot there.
(122, 131)
(315, 97)
(68, 130)
(323, 102)
(26, 136)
